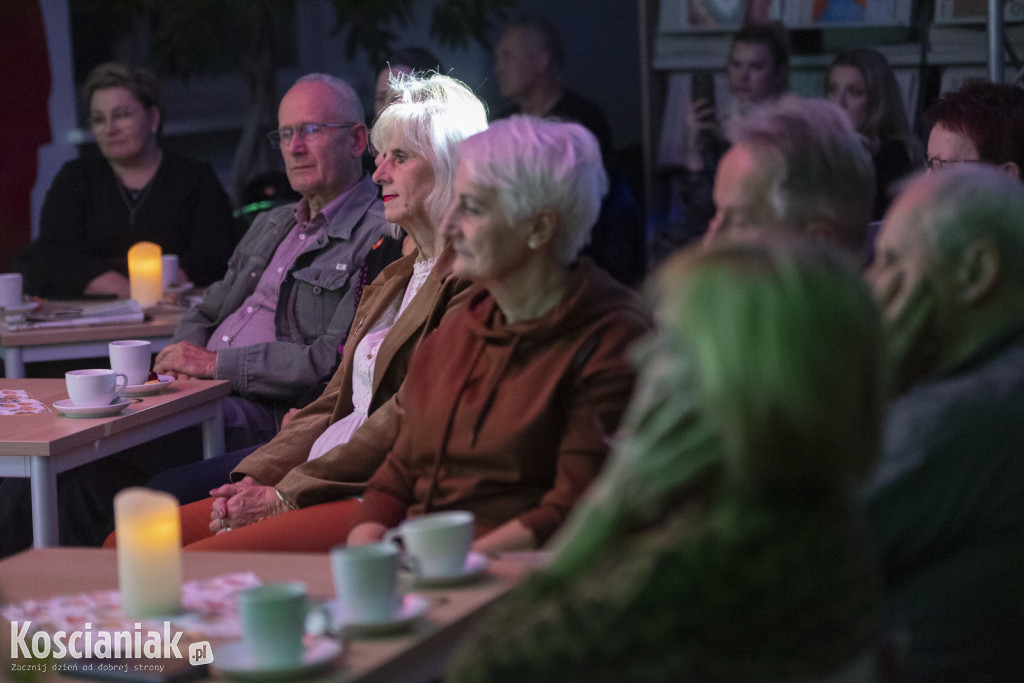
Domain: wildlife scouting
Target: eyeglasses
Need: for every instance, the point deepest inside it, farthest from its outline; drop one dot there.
(118, 115)
(937, 164)
(283, 136)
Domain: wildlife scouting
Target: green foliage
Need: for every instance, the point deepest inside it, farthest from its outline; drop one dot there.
(455, 21)
(369, 24)
(187, 36)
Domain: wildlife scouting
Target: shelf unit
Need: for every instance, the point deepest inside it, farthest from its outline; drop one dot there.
(933, 46)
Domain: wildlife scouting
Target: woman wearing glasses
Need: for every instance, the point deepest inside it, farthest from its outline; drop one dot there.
(97, 208)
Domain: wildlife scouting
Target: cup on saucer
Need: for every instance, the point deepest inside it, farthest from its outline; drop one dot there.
(169, 271)
(10, 290)
(94, 388)
(131, 357)
(436, 543)
(273, 620)
(366, 581)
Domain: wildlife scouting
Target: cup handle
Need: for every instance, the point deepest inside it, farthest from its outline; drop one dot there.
(412, 566)
(320, 621)
(392, 536)
(405, 561)
(120, 387)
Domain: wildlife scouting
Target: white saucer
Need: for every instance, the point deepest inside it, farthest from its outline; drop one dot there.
(21, 308)
(413, 607)
(235, 660)
(178, 289)
(147, 389)
(69, 409)
(475, 567)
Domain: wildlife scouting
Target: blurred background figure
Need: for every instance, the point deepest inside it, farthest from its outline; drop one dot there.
(406, 60)
(862, 83)
(979, 122)
(795, 165)
(721, 541)
(758, 72)
(97, 208)
(528, 62)
(758, 68)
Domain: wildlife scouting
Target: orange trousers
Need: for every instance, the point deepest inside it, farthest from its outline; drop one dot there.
(315, 529)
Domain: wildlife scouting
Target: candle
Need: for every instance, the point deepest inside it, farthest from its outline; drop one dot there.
(144, 273)
(148, 552)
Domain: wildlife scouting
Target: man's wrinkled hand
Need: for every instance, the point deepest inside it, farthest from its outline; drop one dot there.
(184, 360)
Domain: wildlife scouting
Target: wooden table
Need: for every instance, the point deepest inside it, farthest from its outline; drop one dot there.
(417, 655)
(42, 445)
(18, 347)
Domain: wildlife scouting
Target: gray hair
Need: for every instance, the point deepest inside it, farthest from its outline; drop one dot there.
(972, 202)
(826, 171)
(539, 164)
(433, 113)
(349, 104)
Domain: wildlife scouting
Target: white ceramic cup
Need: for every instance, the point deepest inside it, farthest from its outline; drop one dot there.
(169, 270)
(366, 581)
(438, 543)
(273, 620)
(94, 388)
(10, 290)
(131, 357)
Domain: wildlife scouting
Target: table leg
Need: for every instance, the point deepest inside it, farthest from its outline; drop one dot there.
(14, 364)
(43, 485)
(213, 434)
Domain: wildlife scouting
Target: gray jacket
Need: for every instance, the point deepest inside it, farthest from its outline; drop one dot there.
(316, 304)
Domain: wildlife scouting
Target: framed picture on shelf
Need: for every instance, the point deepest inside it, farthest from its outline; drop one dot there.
(682, 16)
(824, 13)
(974, 11)
(690, 15)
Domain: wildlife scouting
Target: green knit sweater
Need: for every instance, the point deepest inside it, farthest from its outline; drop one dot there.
(743, 587)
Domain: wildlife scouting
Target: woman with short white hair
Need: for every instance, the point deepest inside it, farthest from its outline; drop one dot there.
(509, 405)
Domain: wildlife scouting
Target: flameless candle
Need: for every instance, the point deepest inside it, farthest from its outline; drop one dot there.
(148, 552)
(144, 273)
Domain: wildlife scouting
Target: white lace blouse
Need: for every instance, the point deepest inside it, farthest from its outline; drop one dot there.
(363, 363)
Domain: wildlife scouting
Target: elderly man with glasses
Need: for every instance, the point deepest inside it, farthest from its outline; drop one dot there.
(273, 324)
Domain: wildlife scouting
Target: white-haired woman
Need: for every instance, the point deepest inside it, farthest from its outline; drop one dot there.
(509, 405)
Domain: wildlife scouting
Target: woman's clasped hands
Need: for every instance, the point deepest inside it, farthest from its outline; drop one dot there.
(243, 503)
